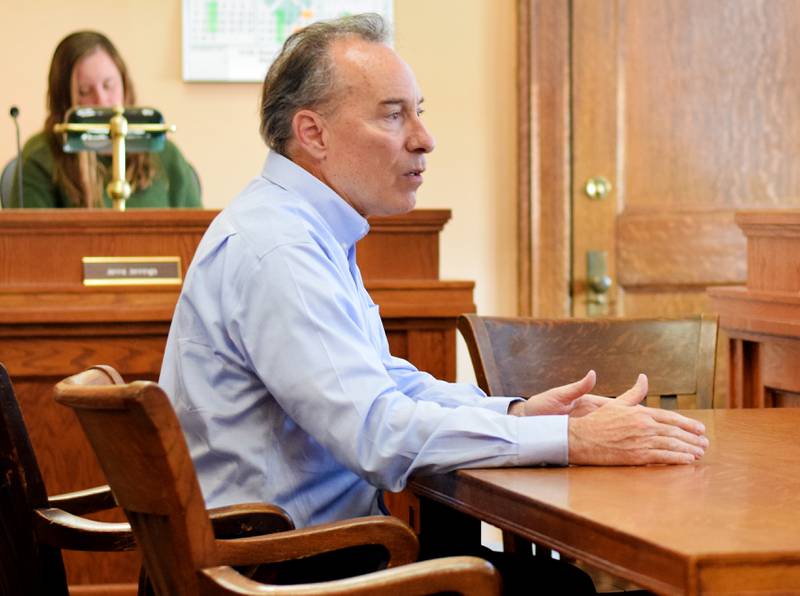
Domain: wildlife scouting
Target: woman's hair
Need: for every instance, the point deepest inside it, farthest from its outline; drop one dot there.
(302, 75)
(81, 175)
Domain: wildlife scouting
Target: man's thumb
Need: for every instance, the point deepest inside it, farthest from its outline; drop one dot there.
(568, 393)
(635, 395)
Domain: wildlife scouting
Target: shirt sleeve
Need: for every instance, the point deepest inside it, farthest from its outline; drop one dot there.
(420, 385)
(297, 321)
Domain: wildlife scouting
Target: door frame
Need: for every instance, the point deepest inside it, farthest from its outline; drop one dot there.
(544, 158)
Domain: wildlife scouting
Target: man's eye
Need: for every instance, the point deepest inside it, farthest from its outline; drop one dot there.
(420, 112)
(394, 116)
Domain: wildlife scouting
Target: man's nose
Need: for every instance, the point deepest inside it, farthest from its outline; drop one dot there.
(420, 140)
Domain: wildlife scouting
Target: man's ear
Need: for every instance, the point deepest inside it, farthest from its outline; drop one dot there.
(309, 133)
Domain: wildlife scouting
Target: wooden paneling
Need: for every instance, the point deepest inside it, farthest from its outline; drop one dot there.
(52, 326)
(773, 264)
(675, 250)
(688, 108)
(688, 127)
(596, 74)
(47, 245)
(762, 318)
(544, 154)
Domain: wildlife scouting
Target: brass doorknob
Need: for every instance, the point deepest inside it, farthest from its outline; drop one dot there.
(597, 188)
(600, 284)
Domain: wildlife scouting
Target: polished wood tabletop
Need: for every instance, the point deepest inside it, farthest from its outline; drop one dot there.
(728, 524)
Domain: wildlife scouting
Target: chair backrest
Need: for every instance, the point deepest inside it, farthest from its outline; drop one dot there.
(27, 567)
(522, 357)
(137, 438)
(7, 182)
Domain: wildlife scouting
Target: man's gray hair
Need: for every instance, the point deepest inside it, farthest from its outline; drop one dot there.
(302, 75)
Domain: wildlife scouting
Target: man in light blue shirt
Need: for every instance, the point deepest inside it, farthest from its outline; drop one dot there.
(277, 362)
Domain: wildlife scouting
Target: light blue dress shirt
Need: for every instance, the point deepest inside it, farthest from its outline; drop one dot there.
(280, 373)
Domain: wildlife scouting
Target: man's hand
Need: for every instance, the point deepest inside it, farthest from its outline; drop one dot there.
(626, 433)
(573, 400)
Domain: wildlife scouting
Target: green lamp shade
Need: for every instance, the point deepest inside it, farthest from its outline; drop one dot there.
(99, 139)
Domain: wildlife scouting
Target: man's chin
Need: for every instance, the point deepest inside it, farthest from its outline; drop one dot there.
(397, 206)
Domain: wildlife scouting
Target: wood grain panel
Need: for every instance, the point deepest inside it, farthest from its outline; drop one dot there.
(680, 249)
(756, 312)
(595, 72)
(643, 301)
(403, 246)
(144, 232)
(689, 110)
(763, 318)
(423, 344)
(764, 575)
(709, 97)
(780, 365)
(773, 261)
(783, 399)
(544, 151)
(422, 298)
(428, 343)
(134, 356)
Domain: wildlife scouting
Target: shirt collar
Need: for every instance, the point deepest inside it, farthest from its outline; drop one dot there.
(347, 224)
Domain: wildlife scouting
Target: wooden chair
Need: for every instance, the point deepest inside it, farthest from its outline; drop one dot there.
(34, 527)
(519, 356)
(137, 438)
(523, 357)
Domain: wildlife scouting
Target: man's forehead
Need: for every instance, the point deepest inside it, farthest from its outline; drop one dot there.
(362, 65)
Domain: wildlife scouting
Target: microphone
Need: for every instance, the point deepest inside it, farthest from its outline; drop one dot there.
(14, 112)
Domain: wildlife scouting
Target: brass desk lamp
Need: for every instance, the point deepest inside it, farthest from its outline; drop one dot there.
(114, 130)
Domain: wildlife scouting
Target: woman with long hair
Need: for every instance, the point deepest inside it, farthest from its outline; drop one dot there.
(88, 70)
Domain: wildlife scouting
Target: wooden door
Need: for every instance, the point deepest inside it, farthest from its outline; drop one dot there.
(691, 109)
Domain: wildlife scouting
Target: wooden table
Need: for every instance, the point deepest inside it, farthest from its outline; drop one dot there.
(727, 524)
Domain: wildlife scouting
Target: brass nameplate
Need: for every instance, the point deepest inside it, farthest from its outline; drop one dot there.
(131, 271)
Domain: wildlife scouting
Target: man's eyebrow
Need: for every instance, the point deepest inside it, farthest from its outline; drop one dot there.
(392, 101)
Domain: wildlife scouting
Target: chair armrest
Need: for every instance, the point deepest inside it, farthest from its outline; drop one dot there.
(249, 519)
(470, 576)
(62, 529)
(86, 501)
(398, 539)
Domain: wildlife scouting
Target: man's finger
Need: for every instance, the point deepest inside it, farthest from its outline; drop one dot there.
(675, 419)
(571, 392)
(634, 395)
(663, 456)
(676, 444)
(674, 431)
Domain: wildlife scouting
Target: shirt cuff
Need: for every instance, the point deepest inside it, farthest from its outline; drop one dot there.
(498, 404)
(543, 440)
